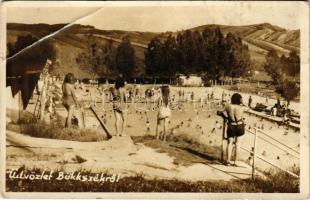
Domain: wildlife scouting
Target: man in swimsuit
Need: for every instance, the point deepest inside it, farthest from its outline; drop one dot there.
(233, 113)
(69, 99)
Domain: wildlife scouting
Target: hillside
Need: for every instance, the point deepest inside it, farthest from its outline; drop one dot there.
(72, 41)
(264, 32)
(261, 38)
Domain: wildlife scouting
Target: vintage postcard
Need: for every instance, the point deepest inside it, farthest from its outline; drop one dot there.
(155, 99)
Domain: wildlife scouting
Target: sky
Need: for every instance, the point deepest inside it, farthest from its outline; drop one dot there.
(160, 16)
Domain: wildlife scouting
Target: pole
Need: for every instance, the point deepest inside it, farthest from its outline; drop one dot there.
(43, 99)
(109, 135)
(223, 138)
(254, 153)
(272, 164)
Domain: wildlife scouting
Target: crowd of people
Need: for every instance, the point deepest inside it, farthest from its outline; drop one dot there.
(232, 109)
(277, 110)
(161, 100)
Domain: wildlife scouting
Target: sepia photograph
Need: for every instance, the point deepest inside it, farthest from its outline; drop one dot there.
(155, 98)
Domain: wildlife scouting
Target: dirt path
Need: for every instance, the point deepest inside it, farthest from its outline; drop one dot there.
(118, 155)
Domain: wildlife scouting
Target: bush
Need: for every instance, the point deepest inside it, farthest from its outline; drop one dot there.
(26, 118)
(29, 125)
(56, 131)
(277, 181)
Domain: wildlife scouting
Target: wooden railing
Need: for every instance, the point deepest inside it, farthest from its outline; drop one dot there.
(257, 136)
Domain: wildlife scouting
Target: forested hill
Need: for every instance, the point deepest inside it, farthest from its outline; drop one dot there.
(74, 42)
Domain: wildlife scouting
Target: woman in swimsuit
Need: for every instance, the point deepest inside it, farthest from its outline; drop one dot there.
(164, 113)
(69, 98)
(119, 106)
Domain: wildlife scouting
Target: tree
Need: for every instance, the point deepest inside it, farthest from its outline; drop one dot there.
(98, 58)
(188, 50)
(109, 57)
(26, 58)
(21, 43)
(125, 58)
(154, 57)
(180, 53)
(289, 90)
(273, 67)
(235, 57)
(212, 53)
(207, 53)
(170, 61)
(28, 54)
(88, 59)
(198, 53)
(282, 71)
(291, 64)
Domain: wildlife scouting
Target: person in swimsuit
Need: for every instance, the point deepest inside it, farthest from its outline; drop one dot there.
(223, 96)
(119, 106)
(164, 113)
(250, 102)
(233, 113)
(212, 95)
(70, 101)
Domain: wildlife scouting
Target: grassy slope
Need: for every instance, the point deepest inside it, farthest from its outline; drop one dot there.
(29, 125)
(264, 35)
(184, 151)
(278, 183)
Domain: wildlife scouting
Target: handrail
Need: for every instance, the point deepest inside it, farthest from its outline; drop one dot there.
(274, 144)
(279, 141)
(254, 155)
(269, 162)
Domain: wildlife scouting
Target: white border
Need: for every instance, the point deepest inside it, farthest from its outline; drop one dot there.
(304, 140)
